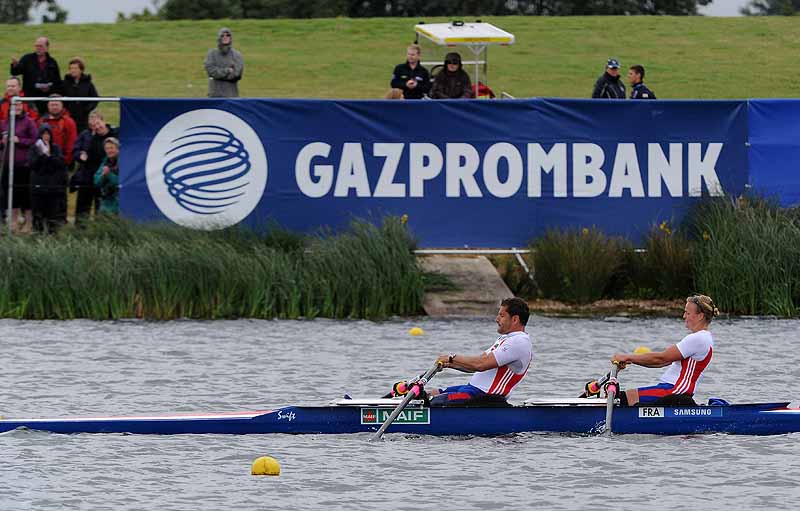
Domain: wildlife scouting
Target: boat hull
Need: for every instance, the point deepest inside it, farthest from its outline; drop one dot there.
(746, 419)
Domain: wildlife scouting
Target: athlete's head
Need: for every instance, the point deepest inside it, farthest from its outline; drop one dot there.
(699, 308)
(512, 316)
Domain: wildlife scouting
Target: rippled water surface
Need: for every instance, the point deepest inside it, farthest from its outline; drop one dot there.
(85, 368)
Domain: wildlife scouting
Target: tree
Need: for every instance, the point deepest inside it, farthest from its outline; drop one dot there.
(771, 8)
(145, 15)
(205, 9)
(19, 11)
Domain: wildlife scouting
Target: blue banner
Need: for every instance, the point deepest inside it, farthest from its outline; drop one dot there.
(467, 173)
(774, 156)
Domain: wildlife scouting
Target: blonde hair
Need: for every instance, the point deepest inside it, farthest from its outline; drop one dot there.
(416, 48)
(705, 305)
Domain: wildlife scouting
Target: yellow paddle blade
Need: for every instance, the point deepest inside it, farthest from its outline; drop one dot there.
(641, 349)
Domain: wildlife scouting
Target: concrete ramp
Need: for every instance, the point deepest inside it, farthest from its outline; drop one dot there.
(479, 287)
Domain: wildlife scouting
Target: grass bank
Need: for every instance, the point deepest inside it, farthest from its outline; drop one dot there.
(685, 57)
(117, 269)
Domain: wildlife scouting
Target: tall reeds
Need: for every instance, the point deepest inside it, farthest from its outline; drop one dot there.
(118, 269)
(747, 256)
(744, 253)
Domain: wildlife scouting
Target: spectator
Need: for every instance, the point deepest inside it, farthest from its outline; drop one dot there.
(452, 82)
(48, 183)
(78, 84)
(24, 137)
(14, 88)
(83, 180)
(82, 177)
(40, 74)
(63, 127)
(609, 86)
(410, 80)
(224, 66)
(107, 178)
(638, 89)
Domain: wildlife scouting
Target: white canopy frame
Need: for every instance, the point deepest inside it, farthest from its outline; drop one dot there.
(475, 36)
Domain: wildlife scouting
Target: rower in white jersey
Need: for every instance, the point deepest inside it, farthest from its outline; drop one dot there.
(498, 369)
(686, 360)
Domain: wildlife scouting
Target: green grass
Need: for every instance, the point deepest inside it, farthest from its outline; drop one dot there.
(118, 269)
(685, 57)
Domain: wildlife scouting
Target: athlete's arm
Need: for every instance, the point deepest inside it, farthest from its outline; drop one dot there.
(652, 359)
(469, 363)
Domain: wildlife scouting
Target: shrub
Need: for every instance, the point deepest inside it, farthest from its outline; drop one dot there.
(663, 269)
(576, 266)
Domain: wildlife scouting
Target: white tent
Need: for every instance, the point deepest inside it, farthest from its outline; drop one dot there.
(477, 37)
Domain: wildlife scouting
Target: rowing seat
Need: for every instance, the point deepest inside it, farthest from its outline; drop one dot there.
(479, 401)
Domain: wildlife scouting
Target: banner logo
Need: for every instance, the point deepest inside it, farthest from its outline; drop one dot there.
(206, 169)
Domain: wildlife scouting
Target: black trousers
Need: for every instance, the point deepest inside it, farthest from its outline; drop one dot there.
(49, 211)
(83, 205)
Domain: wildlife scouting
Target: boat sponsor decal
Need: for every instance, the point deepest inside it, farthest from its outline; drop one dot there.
(657, 412)
(287, 416)
(407, 416)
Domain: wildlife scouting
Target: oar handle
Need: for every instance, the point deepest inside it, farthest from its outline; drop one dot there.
(413, 391)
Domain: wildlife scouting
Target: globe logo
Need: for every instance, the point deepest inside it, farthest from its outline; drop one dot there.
(206, 169)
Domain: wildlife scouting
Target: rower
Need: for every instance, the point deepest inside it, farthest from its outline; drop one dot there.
(498, 369)
(686, 360)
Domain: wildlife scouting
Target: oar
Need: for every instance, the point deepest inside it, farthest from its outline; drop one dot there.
(412, 393)
(611, 394)
(596, 385)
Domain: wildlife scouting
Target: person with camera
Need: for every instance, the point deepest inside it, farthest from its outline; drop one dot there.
(48, 183)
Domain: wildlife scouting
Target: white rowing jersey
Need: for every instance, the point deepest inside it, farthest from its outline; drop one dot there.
(513, 353)
(686, 374)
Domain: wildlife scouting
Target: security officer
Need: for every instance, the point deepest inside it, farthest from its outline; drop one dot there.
(639, 89)
(410, 80)
(609, 86)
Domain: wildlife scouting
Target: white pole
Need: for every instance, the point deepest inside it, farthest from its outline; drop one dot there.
(12, 130)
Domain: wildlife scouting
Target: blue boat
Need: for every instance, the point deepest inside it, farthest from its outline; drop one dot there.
(584, 416)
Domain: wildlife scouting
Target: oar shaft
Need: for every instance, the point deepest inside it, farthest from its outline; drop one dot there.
(408, 397)
(611, 394)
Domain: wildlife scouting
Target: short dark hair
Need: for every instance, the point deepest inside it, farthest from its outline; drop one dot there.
(638, 69)
(517, 307)
(79, 61)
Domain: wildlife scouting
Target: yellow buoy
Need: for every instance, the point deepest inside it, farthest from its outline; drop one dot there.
(416, 331)
(266, 466)
(641, 349)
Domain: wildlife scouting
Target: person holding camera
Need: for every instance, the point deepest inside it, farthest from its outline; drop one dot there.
(48, 183)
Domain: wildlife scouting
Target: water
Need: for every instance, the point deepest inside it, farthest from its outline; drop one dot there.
(85, 368)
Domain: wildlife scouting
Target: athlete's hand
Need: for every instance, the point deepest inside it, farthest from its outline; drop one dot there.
(621, 359)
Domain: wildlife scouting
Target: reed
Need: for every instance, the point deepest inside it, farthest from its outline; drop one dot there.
(747, 256)
(119, 269)
(663, 269)
(576, 266)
